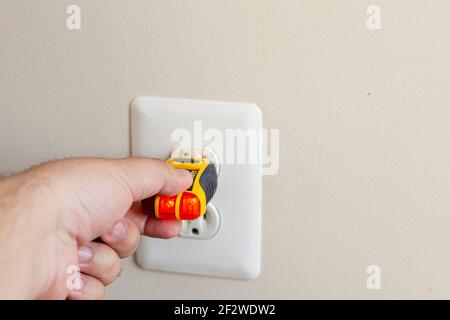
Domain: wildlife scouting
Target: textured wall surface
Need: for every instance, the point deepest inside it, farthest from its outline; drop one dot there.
(364, 117)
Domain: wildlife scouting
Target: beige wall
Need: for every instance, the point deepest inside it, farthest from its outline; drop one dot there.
(364, 118)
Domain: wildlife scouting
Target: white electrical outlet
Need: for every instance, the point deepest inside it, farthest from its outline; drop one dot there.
(205, 227)
(226, 242)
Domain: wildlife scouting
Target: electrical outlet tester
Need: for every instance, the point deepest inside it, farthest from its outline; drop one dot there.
(190, 204)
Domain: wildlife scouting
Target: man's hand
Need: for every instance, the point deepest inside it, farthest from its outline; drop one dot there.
(84, 212)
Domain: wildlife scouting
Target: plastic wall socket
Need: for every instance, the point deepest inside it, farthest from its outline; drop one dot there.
(203, 228)
(234, 249)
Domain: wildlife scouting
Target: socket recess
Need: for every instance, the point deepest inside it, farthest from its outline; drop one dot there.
(203, 228)
(226, 242)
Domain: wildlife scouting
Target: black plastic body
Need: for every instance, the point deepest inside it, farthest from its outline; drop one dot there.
(208, 181)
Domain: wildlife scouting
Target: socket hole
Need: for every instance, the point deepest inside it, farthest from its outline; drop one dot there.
(195, 231)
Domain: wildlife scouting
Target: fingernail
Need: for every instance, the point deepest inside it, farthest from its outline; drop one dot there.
(85, 254)
(118, 231)
(184, 174)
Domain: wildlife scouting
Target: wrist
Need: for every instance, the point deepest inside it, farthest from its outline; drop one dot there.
(27, 219)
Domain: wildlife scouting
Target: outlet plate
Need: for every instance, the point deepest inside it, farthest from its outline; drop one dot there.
(235, 249)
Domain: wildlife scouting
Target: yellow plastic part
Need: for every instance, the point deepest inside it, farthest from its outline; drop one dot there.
(196, 164)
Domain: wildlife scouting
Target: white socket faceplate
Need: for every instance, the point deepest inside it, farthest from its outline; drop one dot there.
(235, 249)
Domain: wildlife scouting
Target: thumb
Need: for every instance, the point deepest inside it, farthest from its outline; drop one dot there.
(93, 194)
(146, 177)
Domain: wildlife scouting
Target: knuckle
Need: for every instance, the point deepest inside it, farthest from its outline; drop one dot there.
(115, 273)
(111, 274)
(131, 241)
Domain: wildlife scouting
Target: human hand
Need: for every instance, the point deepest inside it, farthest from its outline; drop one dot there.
(84, 212)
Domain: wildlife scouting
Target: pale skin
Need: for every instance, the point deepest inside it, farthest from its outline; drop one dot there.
(84, 212)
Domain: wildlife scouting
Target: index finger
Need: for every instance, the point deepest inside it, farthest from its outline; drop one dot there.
(142, 215)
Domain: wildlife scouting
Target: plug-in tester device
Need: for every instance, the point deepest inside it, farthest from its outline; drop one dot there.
(190, 204)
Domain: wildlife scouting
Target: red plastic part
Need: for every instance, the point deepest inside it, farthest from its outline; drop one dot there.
(189, 206)
(166, 208)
